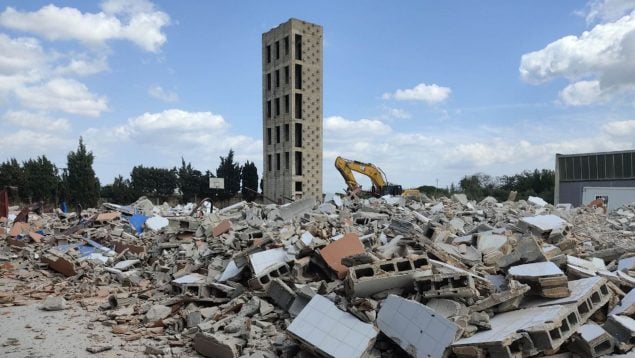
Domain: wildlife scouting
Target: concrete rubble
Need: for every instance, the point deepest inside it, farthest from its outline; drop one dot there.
(349, 277)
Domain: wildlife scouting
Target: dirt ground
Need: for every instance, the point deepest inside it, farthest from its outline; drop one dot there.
(28, 331)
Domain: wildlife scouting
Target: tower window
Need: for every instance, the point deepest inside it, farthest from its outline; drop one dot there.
(269, 162)
(298, 186)
(298, 163)
(268, 135)
(277, 134)
(277, 161)
(298, 47)
(286, 160)
(298, 76)
(277, 50)
(298, 105)
(277, 78)
(298, 134)
(269, 81)
(286, 75)
(286, 103)
(277, 106)
(286, 45)
(269, 54)
(268, 109)
(286, 132)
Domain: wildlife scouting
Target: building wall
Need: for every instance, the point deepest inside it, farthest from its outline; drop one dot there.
(571, 192)
(302, 143)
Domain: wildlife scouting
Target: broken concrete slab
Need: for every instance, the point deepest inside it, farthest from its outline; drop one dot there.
(334, 252)
(54, 303)
(260, 261)
(296, 208)
(329, 331)
(626, 306)
(216, 345)
(622, 328)
(446, 285)
(416, 328)
(591, 340)
(544, 278)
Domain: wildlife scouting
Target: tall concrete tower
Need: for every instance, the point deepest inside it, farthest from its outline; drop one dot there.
(292, 111)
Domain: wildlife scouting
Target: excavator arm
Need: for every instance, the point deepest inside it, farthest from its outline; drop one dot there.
(346, 167)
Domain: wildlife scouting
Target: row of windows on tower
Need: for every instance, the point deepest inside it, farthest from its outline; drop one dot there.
(276, 77)
(298, 162)
(276, 106)
(297, 137)
(285, 45)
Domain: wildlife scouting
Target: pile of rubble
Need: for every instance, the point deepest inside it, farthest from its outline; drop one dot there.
(345, 278)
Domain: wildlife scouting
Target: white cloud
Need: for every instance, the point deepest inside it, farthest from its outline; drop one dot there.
(431, 94)
(608, 10)
(83, 66)
(37, 121)
(621, 128)
(341, 126)
(398, 113)
(581, 93)
(136, 21)
(598, 62)
(158, 92)
(67, 95)
(176, 120)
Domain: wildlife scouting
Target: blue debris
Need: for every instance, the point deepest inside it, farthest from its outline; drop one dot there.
(137, 221)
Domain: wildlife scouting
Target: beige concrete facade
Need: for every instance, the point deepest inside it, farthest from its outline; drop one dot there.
(292, 111)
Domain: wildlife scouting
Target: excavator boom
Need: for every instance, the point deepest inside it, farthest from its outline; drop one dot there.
(346, 167)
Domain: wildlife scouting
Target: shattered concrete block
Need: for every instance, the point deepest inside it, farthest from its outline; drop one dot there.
(461, 198)
(328, 331)
(193, 284)
(263, 280)
(622, 328)
(216, 345)
(626, 305)
(334, 252)
(54, 303)
(447, 308)
(108, 216)
(222, 228)
(296, 208)
(60, 264)
(157, 313)
(446, 285)
(262, 260)
(281, 294)
(368, 279)
(417, 329)
(515, 291)
(544, 278)
(543, 225)
(591, 340)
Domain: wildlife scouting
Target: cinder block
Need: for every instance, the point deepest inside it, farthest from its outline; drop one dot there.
(368, 279)
(457, 284)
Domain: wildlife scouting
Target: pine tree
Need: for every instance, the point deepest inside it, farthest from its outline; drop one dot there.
(230, 171)
(249, 181)
(81, 183)
(41, 180)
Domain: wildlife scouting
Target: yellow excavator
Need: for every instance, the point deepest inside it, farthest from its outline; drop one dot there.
(381, 186)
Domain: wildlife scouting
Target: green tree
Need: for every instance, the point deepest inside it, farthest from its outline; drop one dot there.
(191, 182)
(41, 180)
(82, 186)
(120, 191)
(12, 174)
(249, 181)
(153, 181)
(230, 171)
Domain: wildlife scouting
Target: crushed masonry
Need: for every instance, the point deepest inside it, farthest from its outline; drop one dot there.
(437, 277)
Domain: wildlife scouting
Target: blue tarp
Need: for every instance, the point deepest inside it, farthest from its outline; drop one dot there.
(137, 221)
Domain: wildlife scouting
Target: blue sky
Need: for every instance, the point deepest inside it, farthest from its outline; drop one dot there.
(426, 90)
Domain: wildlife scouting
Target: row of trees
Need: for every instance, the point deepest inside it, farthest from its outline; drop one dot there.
(528, 183)
(39, 180)
(478, 186)
(191, 183)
